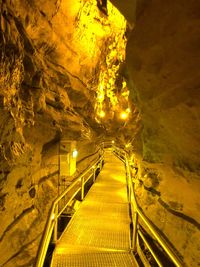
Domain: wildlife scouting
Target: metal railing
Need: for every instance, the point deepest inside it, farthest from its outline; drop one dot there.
(56, 210)
(140, 220)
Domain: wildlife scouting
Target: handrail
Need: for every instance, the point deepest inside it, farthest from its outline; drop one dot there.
(138, 214)
(52, 221)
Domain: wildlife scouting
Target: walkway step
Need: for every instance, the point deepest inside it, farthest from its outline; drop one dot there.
(94, 259)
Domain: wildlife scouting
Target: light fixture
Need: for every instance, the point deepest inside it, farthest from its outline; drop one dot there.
(102, 114)
(74, 153)
(101, 97)
(127, 145)
(123, 115)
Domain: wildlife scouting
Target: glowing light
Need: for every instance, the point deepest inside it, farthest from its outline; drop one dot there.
(124, 115)
(52, 216)
(124, 84)
(75, 153)
(128, 110)
(101, 97)
(107, 95)
(102, 114)
(113, 141)
(127, 145)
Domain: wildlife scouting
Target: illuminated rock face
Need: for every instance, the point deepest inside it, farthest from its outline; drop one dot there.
(163, 58)
(49, 71)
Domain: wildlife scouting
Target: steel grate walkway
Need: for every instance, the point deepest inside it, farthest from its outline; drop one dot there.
(99, 232)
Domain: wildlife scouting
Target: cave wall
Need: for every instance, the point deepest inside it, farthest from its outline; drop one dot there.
(49, 69)
(163, 59)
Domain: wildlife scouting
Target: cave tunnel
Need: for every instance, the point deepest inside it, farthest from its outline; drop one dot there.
(99, 109)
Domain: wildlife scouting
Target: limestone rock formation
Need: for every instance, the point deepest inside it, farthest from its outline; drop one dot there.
(49, 70)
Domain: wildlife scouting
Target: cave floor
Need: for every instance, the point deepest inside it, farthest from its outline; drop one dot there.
(99, 232)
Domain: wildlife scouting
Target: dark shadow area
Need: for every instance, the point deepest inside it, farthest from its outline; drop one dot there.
(102, 5)
(49, 254)
(161, 254)
(63, 222)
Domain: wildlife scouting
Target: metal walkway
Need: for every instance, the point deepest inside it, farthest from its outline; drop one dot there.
(99, 232)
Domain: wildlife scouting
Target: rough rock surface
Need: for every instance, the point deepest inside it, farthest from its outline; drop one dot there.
(50, 54)
(163, 58)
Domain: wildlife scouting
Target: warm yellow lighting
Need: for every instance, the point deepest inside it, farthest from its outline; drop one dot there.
(102, 114)
(128, 110)
(127, 145)
(124, 115)
(124, 84)
(52, 216)
(101, 87)
(101, 97)
(113, 141)
(106, 91)
(75, 153)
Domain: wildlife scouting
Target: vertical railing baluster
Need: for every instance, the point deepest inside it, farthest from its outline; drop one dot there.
(82, 188)
(135, 232)
(55, 232)
(94, 174)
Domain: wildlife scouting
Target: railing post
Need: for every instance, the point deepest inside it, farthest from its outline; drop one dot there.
(135, 232)
(129, 192)
(128, 179)
(55, 231)
(100, 165)
(82, 188)
(94, 174)
(129, 187)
